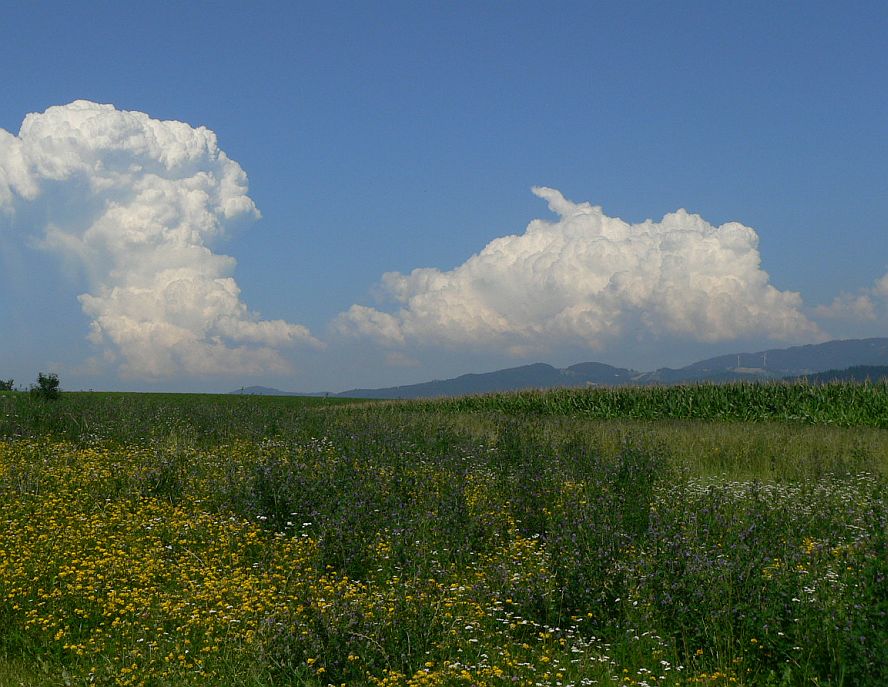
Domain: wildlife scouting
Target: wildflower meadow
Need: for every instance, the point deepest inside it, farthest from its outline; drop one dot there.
(527, 539)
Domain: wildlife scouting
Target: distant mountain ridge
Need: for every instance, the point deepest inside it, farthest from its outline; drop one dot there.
(535, 376)
(777, 363)
(267, 391)
(856, 373)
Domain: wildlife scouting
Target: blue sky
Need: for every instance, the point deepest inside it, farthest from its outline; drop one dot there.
(387, 137)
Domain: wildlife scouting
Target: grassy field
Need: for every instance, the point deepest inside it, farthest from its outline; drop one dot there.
(698, 535)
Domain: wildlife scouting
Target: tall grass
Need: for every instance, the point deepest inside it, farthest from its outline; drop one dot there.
(164, 540)
(15, 672)
(203, 418)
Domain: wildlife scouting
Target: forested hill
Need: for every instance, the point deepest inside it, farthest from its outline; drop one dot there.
(816, 362)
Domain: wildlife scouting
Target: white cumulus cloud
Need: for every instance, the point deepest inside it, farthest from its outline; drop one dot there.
(590, 280)
(865, 306)
(135, 202)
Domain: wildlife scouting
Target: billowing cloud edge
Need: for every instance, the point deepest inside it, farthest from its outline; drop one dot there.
(589, 280)
(136, 202)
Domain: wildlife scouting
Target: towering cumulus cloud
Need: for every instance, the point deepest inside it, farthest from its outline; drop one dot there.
(590, 280)
(134, 201)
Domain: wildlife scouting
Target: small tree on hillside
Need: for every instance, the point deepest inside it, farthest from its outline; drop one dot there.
(47, 386)
(7, 384)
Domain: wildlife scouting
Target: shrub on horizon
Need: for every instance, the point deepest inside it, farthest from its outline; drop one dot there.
(47, 386)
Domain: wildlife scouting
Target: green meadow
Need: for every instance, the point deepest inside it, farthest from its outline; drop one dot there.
(692, 535)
